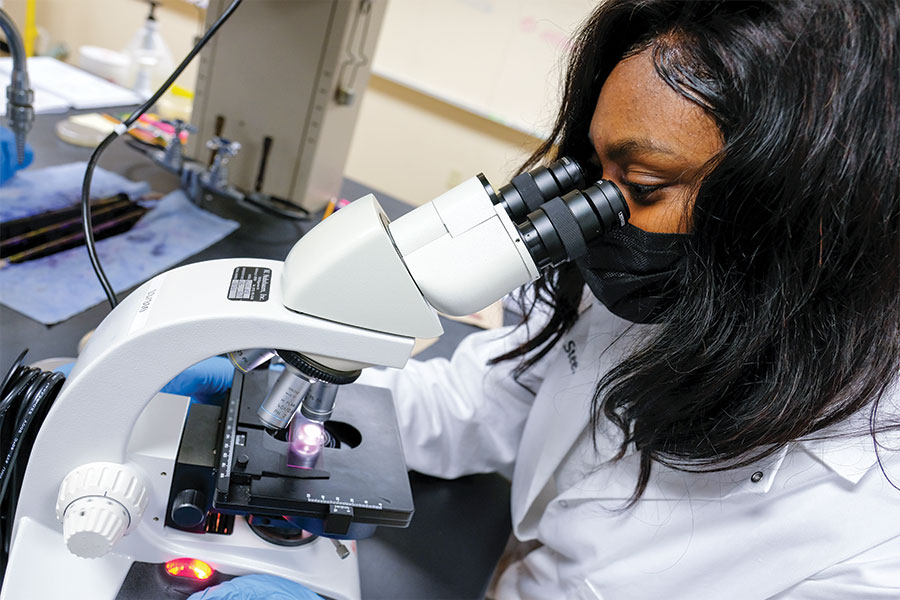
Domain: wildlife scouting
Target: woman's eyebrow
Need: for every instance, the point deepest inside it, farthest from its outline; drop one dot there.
(628, 147)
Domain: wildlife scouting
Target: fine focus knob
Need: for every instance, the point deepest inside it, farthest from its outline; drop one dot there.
(93, 525)
(187, 509)
(98, 503)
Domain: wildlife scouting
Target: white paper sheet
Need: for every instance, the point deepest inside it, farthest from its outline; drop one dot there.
(59, 86)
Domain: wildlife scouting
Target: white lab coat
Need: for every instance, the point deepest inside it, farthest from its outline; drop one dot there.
(818, 521)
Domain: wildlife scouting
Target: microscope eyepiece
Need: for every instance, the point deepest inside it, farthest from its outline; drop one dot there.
(563, 228)
(528, 191)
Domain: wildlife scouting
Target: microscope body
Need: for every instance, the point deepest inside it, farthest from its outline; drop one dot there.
(355, 291)
(110, 424)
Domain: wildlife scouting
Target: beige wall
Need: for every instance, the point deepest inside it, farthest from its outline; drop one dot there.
(415, 147)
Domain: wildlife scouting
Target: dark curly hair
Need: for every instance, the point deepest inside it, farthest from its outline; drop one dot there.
(788, 317)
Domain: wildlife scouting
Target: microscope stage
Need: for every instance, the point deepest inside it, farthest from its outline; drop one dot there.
(363, 481)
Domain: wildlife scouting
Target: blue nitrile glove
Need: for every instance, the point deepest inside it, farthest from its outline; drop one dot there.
(256, 587)
(64, 369)
(204, 382)
(8, 162)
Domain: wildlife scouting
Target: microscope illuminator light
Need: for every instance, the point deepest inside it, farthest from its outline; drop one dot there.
(189, 568)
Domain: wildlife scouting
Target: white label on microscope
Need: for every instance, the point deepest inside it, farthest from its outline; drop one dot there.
(147, 303)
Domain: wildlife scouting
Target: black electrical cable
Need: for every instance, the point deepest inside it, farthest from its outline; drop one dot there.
(122, 128)
(9, 375)
(25, 397)
(270, 205)
(43, 385)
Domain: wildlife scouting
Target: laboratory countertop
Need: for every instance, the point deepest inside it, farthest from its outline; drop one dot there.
(460, 527)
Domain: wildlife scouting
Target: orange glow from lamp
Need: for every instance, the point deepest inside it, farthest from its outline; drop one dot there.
(190, 568)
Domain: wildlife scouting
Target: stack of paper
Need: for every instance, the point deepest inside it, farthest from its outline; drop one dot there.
(58, 87)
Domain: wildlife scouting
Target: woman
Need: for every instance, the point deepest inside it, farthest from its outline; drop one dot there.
(724, 448)
(692, 411)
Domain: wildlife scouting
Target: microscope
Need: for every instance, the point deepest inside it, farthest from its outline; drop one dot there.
(130, 493)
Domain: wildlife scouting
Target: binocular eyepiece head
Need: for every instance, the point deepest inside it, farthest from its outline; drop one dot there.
(557, 214)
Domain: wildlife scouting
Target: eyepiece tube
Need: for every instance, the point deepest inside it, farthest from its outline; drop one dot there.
(528, 191)
(563, 228)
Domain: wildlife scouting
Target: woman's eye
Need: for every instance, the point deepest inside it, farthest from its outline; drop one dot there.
(640, 191)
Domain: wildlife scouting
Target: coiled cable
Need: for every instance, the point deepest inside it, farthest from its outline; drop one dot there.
(25, 397)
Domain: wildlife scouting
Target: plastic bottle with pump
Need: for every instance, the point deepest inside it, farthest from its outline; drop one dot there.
(150, 59)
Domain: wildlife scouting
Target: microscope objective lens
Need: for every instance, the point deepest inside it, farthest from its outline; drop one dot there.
(283, 399)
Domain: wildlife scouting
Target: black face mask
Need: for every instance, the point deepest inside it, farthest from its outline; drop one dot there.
(635, 273)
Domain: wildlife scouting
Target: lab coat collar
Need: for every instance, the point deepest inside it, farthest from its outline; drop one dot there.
(848, 448)
(849, 457)
(756, 478)
(612, 484)
(848, 451)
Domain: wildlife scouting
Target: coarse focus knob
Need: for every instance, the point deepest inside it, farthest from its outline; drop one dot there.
(98, 503)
